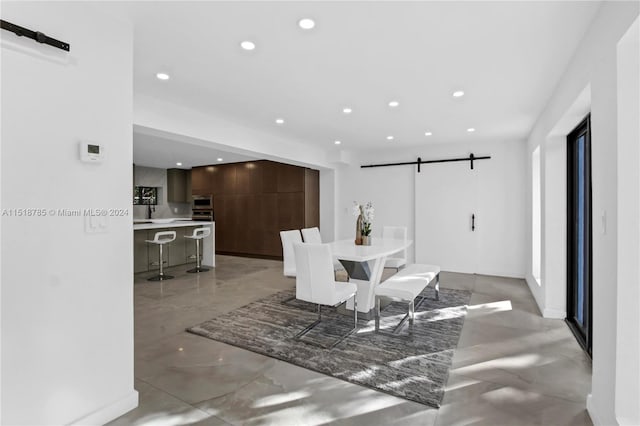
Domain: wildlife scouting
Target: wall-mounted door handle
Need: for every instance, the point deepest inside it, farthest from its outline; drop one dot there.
(473, 222)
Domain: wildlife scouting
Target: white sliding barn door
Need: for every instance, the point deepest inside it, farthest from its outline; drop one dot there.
(446, 197)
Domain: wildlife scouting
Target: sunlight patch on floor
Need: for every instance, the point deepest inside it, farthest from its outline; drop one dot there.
(521, 361)
(490, 308)
(281, 398)
(167, 419)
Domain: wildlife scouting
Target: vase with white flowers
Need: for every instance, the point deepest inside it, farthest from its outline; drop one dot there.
(363, 223)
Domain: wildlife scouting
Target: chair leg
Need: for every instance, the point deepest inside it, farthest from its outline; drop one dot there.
(310, 326)
(411, 312)
(355, 311)
(316, 322)
(437, 287)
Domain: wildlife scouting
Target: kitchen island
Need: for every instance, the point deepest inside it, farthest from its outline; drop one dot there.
(182, 251)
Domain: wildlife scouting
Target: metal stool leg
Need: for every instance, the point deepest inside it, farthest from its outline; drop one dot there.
(198, 267)
(161, 276)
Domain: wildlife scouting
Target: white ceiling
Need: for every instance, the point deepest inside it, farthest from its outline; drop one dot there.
(506, 56)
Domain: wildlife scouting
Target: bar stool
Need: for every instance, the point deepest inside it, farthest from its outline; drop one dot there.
(198, 235)
(162, 238)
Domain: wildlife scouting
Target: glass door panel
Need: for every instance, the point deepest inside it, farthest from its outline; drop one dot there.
(579, 233)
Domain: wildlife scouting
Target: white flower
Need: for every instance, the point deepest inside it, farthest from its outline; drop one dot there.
(356, 209)
(369, 214)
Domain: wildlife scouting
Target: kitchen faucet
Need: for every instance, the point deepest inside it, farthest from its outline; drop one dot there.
(150, 210)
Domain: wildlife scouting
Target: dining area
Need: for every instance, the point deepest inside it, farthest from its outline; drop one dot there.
(339, 317)
(315, 267)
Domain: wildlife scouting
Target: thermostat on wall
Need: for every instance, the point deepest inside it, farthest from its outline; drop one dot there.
(91, 152)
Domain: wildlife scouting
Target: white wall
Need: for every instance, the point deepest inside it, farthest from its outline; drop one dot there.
(593, 67)
(392, 191)
(553, 275)
(628, 314)
(327, 204)
(67, 296)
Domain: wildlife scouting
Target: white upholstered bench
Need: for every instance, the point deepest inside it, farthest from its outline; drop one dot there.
(405, 286)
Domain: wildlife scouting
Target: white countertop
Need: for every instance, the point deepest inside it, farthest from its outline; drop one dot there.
(175, 224)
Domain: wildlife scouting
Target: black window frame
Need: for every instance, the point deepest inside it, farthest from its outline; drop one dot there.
(583, 334)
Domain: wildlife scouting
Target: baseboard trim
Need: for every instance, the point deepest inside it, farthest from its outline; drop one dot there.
(554, 313)
(111, 411)
(591, 410)
(501, 274)
(513, 275)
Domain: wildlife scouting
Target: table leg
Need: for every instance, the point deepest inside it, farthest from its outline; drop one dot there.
(366, 288)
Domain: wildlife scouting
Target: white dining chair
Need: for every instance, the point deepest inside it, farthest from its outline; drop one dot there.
(315, 284)
(312, 236)
(397, 260)
(289, 238)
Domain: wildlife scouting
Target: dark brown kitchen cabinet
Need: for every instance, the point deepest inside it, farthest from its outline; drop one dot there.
(269, 230)
(290, 210)
(201, 179)
(268, 177)
(255, 200)
(290, 178)
(242, 181)
(216, 180)
(228, 179)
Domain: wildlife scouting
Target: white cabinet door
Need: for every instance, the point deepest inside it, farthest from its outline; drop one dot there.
(446, 198)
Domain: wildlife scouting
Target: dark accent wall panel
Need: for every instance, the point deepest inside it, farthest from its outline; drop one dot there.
(290, 178)
(255, 200)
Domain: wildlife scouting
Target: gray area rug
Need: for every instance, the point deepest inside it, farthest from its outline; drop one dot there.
(413, 365)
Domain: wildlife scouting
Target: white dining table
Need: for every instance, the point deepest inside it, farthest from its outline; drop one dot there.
(364, 265)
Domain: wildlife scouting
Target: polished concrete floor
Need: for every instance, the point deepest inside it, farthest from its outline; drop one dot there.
(512, 367)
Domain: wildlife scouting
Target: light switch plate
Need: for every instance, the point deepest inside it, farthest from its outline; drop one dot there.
(94, 224)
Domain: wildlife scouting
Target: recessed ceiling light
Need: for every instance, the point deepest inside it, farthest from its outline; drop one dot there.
(306, 23)
(347, 110)
(458, 94)
(394, 104)
(389, 138)
(279, 121)
(162, 76)
(220, 159)
(428, 133)
(471, 129)
(178, 164)
(337, 142)
(248, 45)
